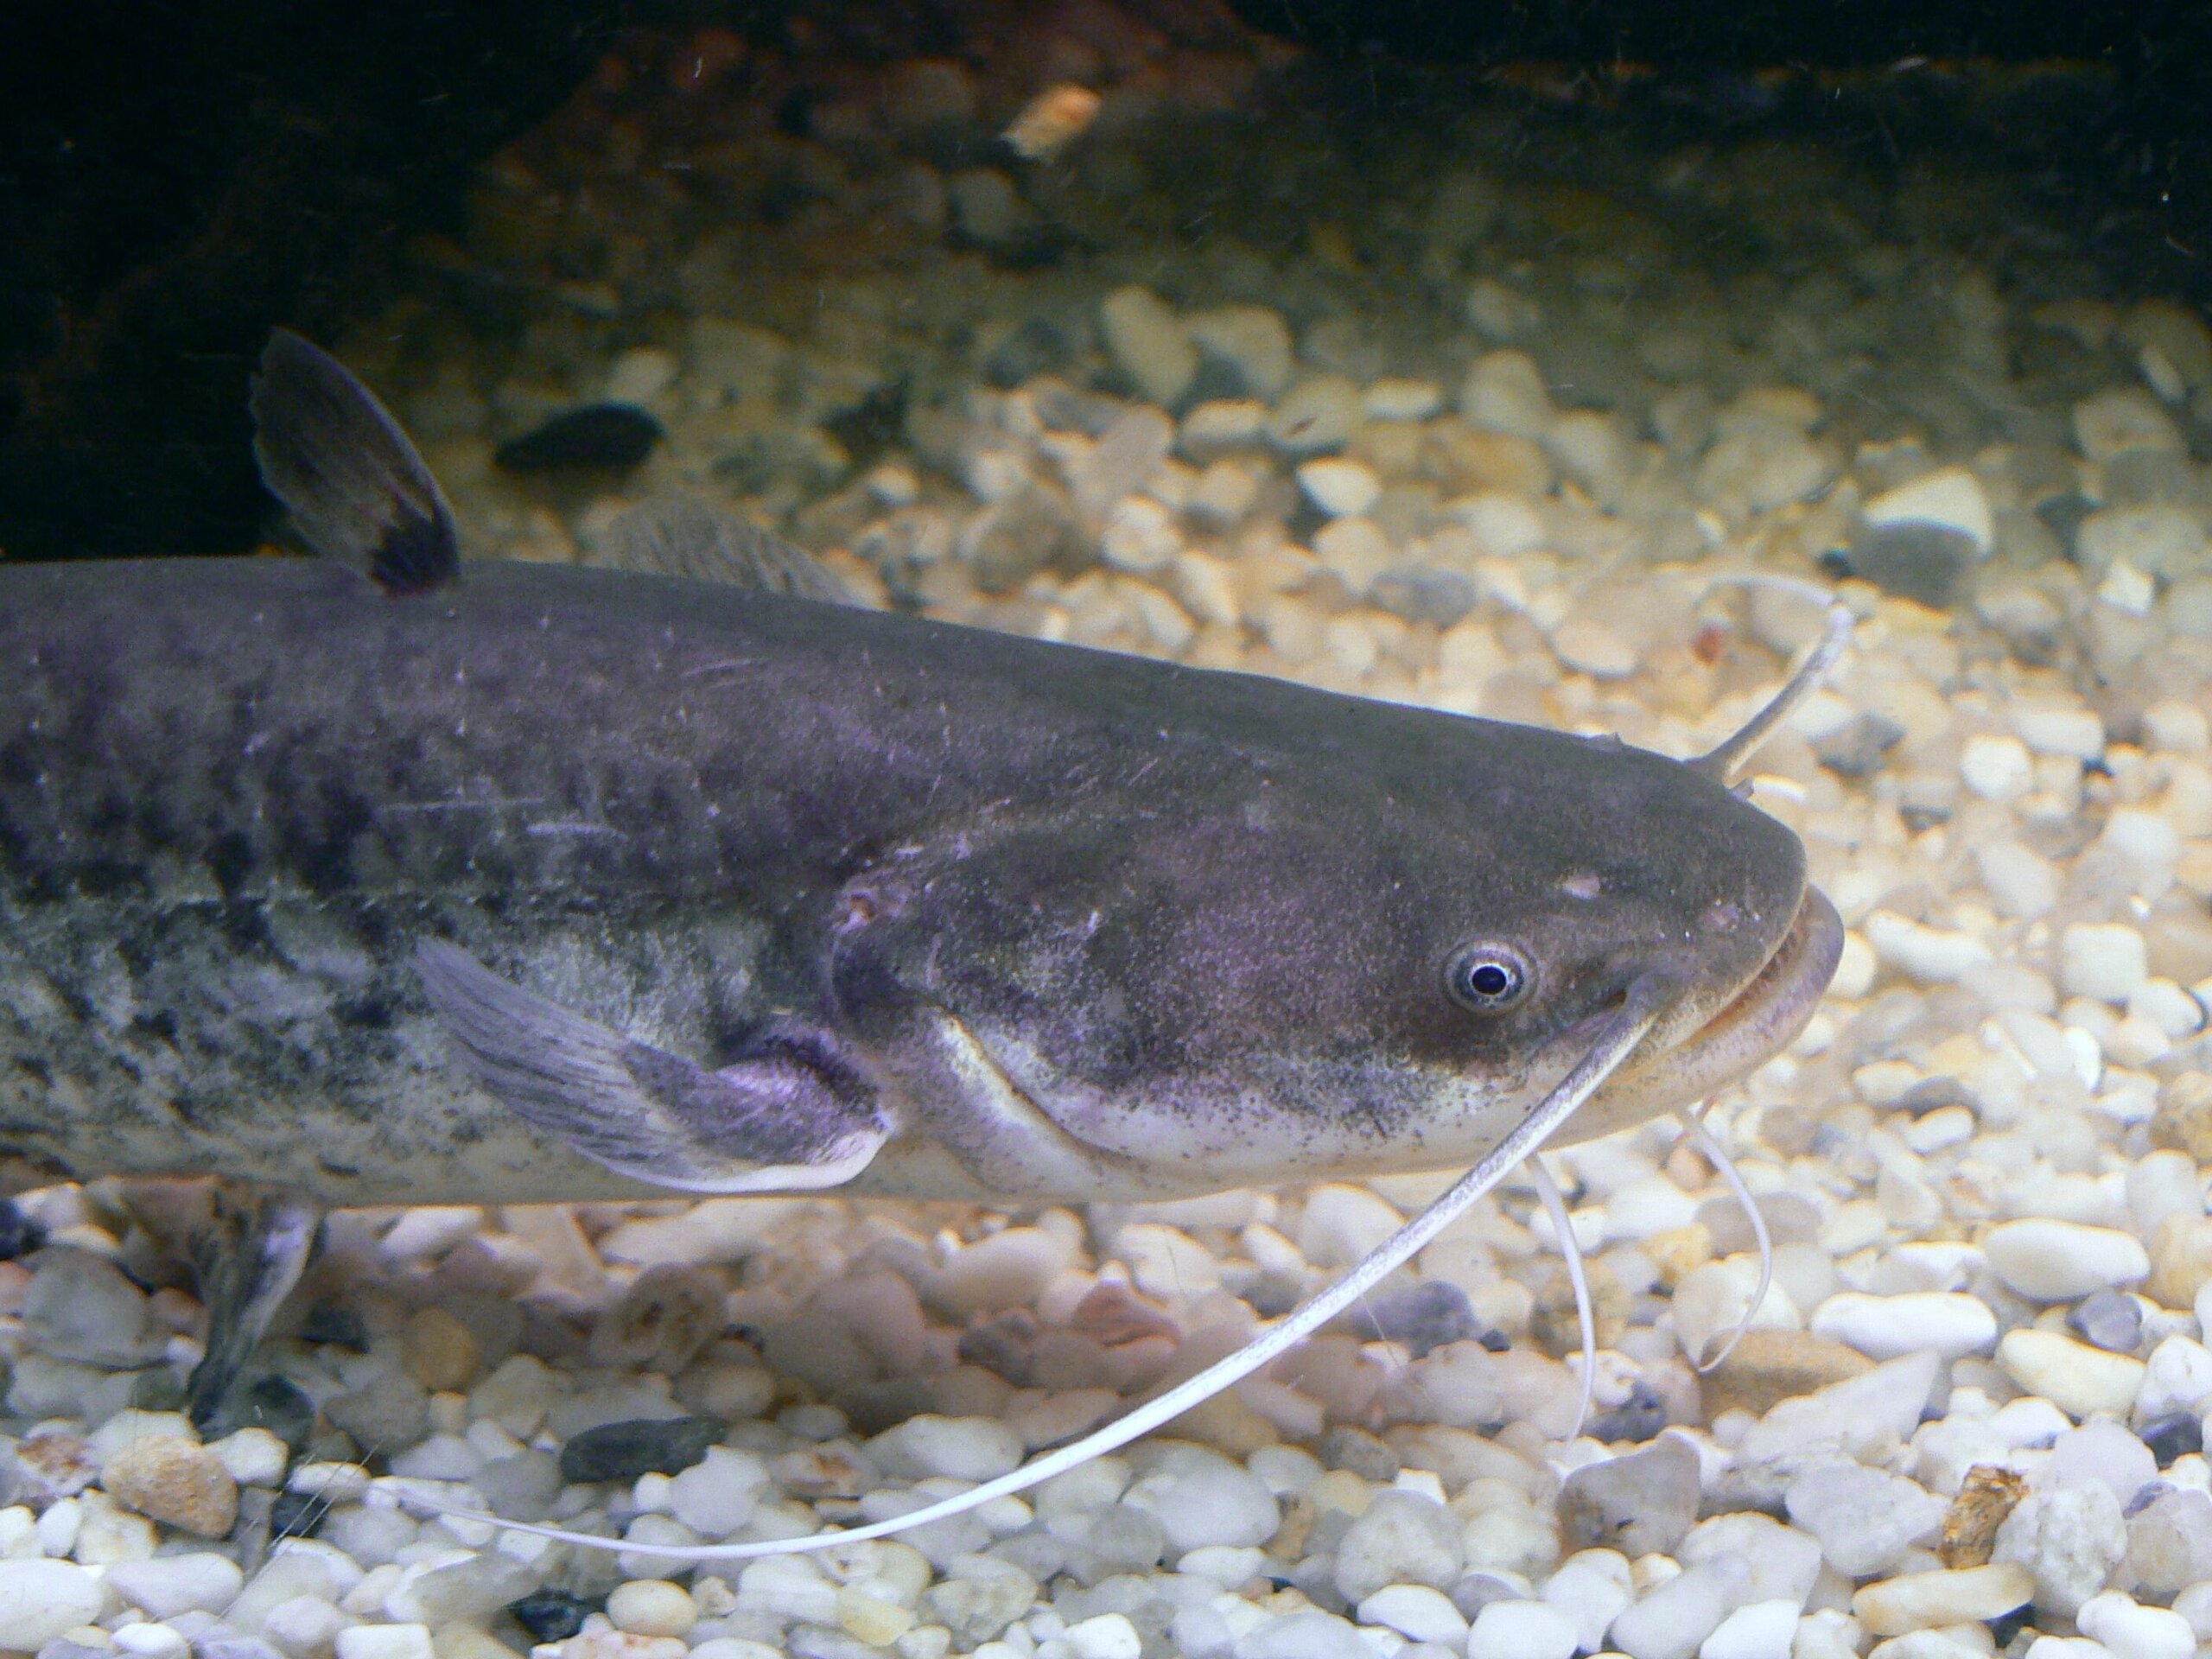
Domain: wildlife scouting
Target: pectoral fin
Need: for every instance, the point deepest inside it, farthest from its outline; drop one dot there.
(787, 1117)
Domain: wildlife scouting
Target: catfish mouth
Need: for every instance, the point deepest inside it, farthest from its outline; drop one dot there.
(1754, 1025)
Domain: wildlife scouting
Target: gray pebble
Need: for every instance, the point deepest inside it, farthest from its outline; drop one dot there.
(2110, 1320)
(1642, 1503)
(643, 1446)
(1403, 1538)
(389, 1412)
(1856, 750)
(1345, 1447)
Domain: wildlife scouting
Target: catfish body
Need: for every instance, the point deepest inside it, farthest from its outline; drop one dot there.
(1065, 924)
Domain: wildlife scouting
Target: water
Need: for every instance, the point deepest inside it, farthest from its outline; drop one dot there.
(1479, 398)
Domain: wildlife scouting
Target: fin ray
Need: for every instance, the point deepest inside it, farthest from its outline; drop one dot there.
(778, 1122)
(346, 473)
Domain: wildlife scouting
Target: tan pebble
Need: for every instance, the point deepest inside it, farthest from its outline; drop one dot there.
(438, 1351)
(1677, 1252)
(1771, 1366)
(652, 1607)
(1988, 1494)
(1340, 1489)
(1555, 1323)
(175, 1481)
(1227, 1424)
(1299, 1514)
(872, 1619)
(2180, 1260)
(2081, 1381)
(1588, 646)
(1921, 1601)
(466, 1642)
(2183, 1122)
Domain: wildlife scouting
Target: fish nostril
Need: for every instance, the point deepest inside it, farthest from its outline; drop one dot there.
(1721, 915)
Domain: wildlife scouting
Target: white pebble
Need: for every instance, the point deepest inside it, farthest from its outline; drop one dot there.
(652, 1607)
(1521, 1630)
(1340, 487)
(1109, 1635)
(2081, 1381)
(1933, 955)
(169, 1585)
(1765, 1629)
(1140, 535)
(385, 1642)
(41, 1600)
(2053, 729)
(1394, 399)
(1149, 343)
(1951, 498)
(150, 1642)
(1997, 768)
(2106, 960)
(2134, 1631)
(1886, 1327)
(1416, 1612)
(2063, 1260)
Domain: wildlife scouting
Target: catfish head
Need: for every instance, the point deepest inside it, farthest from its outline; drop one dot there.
(1378, 958)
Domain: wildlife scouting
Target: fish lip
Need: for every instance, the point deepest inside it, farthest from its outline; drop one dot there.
(1761, 1020)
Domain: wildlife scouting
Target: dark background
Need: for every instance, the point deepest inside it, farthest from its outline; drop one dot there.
(176, 173)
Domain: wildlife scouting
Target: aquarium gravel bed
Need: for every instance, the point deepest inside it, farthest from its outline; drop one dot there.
(1492, 412)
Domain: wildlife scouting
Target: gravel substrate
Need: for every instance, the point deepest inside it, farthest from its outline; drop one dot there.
(1475, 417)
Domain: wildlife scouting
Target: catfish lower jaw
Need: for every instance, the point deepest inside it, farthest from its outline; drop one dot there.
(1757, 1023)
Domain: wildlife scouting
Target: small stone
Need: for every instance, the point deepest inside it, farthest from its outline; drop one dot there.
(2063, 1260)
(1416, 1612)
(1108, 1635)
(1521, 1630)
(2070, 1537)
(385, 1642)
(598, 438)
(1763, 1630)
(1886, 1327)
(1504, 392)
(652, 1607)
(169, 1585)
(1771, 1366)
(391, 1409)
(2079, 1380)
(2130, 1630)
(42, 1599)
(965, 1448)
(176, 1481)
(438, 1351)
(80, 1307)
(1638, 1504)
(254, 1456)
(1401, 1538)
(1339, 487)
(1250, 342)
(1673, 1619)
(1149, 344)
(2058, 729)
(2113, 424)
(2171, 1437)
(2105, 960)
(1997, 767)
(1932, 955)
(1140, 535)
(1317, 415)
(2170, 1544)
(1200, 1498)
(1424, 1316)
(1394, 399)
(1925, 563)
(1864, 1519)
(1989, 1493)
(2110, 1320)
(1856, 748)
(550, 1615)
(1919, 1601)
(1589, 646)
(643, 1446)
(1951, 498)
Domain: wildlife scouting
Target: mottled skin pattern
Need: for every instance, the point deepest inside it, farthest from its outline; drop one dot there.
(1198, 920)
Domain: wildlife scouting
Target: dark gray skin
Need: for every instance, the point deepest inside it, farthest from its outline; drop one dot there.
(1200, 922)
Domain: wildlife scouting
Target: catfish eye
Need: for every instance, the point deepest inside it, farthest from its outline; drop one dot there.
(1487, 977)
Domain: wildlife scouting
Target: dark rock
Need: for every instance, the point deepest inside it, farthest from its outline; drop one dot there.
(332, 1322)
(551, 1615)
(388, 1412)
(1856, 751)
(2171, 1437)
(1355, 1449)
(2109, 1320)
(645, 1446)
(1032, 530)
(1042, 344)
(1423, 1316)
(598, 437)
(1639, 1418)
(1923, 562)
(276, 1403)
(297, 1515)
(1420, 594)
(19, 1234)
(1932, 1094)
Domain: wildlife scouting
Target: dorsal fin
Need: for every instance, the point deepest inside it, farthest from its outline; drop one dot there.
(340, 463)
(681, 535)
